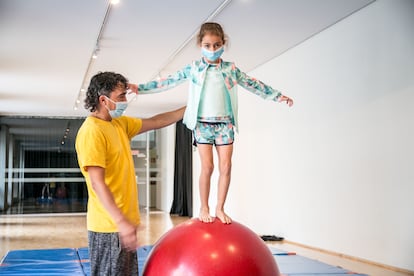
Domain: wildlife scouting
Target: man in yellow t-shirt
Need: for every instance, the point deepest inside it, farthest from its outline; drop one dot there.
(105, 159)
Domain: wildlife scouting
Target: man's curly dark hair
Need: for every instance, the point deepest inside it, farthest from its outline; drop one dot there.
(103, 83)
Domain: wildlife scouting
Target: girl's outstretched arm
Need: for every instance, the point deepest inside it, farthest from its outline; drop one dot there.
(162, 84)
(259, 88)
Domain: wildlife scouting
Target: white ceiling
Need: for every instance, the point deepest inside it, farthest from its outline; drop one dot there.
(46, 45)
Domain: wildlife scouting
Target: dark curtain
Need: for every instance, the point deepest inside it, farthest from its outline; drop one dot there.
(183, 172)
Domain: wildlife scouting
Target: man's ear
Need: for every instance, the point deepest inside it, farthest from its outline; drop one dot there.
(101, 99)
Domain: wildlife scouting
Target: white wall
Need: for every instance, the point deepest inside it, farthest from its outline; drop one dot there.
(165, 192)
(335, 171)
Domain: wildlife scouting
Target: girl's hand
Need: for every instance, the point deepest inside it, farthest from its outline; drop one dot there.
(286, 99)
(133, 87)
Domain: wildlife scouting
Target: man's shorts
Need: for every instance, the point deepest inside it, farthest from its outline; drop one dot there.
(219, 134)
(107, 257)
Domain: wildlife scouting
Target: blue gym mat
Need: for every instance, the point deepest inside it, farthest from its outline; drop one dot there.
(83, 254)
(64, 261)
(75, 261)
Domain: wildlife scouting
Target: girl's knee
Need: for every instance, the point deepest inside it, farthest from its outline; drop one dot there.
(225, 169)
(207, 169)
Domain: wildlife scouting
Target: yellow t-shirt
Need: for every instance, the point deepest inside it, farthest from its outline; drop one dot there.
(107, 145)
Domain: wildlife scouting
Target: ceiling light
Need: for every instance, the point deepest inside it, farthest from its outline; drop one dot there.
(95, 52)
(114, 2)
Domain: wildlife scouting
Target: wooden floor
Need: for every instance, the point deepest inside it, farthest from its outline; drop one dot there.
(61, 230)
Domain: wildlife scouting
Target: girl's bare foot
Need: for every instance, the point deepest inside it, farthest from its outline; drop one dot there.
(223, 216)
(205, 215)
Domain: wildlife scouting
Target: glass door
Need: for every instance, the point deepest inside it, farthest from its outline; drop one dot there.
(146, 161)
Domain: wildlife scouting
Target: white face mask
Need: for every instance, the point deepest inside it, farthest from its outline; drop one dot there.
(120, 108)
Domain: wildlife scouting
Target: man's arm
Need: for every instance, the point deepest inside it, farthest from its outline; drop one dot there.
(162, 120)
(126, 229)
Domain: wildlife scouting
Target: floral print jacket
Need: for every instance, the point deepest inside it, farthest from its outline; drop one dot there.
(195, 73)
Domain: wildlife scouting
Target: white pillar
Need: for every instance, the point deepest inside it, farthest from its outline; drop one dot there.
(4, 131)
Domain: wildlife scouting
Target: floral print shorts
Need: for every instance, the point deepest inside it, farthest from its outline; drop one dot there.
(218, 133)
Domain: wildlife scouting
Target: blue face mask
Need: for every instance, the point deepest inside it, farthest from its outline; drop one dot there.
(120, 108)
(212, 55)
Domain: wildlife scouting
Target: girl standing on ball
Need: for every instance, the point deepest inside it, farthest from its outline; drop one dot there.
(212, 109)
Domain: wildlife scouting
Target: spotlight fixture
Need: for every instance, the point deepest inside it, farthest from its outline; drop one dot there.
(95, 53)
(65, 136)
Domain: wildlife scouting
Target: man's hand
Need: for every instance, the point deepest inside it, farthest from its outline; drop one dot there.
(128, 235)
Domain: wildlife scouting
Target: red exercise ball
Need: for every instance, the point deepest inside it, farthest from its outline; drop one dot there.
(194, 248)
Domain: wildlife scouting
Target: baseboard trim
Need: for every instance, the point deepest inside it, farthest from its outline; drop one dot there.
(345, 256)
